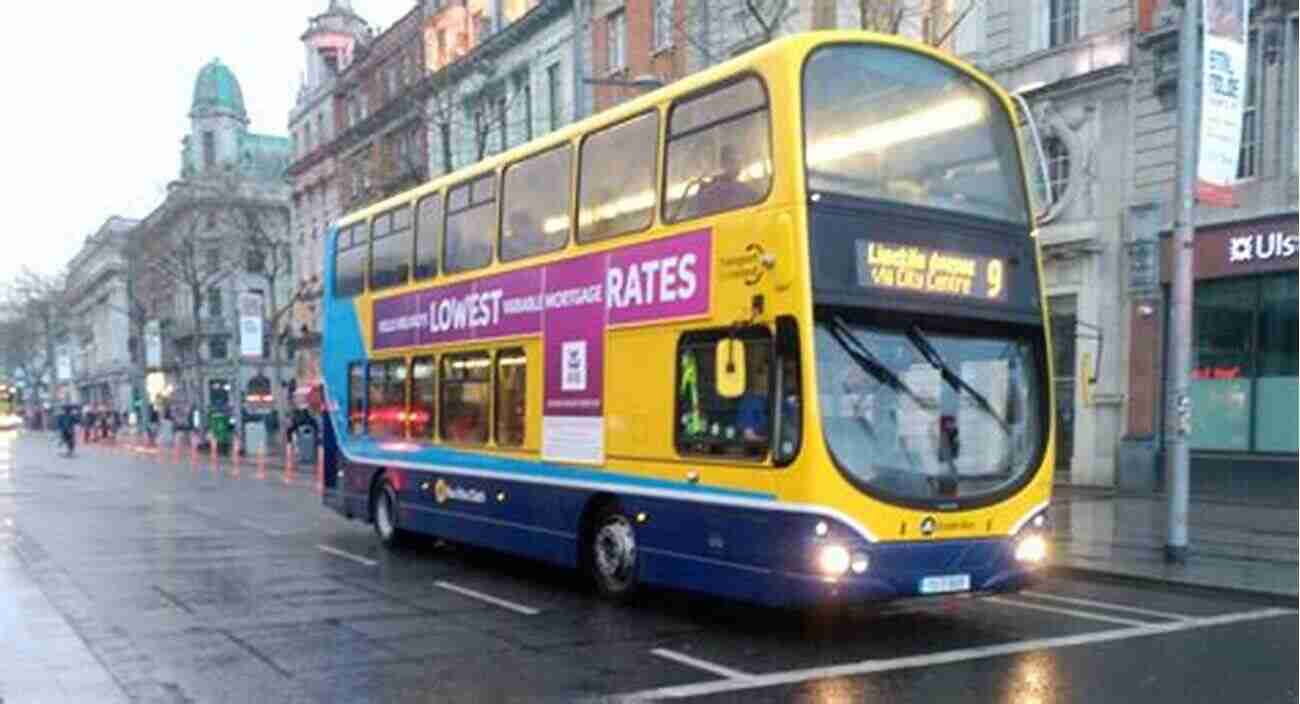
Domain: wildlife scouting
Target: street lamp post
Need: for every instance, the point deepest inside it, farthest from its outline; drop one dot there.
(1178, 418)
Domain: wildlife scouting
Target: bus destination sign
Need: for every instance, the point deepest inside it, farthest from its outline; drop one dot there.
(905, 267)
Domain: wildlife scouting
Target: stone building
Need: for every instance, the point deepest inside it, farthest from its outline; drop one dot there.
(218, 233)
(105, 369)
(331, 42)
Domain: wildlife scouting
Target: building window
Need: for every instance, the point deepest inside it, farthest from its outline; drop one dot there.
(662, 24)
(1063, 311)
(616, 40)
(255, 260)
(512, 397)
(524, 95)
(1244, 372)
(502, 122)
(553, 95)
(209, 149)
(1063, 22)
(1058, 166)
(1251, 134)
(217, 348)
(321, 136)
(214, 302)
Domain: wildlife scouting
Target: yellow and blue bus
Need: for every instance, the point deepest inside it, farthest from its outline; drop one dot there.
(774, 332)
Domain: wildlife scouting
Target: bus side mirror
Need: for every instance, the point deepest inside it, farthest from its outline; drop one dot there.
(729, 368)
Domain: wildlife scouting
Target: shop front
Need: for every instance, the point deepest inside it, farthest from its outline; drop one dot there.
(1244, 390)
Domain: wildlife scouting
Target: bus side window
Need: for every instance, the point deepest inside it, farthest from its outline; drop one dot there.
(428, 220)
(390, 259)
(356, 398)
(719, 152)
(471, 225)
(535, 193)
(707, 423)
(464, 398)
(423, 390)
(616, 183)
(512, 397)
(350, 261)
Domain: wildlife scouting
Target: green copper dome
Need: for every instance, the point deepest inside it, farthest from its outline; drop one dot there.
(217, 90)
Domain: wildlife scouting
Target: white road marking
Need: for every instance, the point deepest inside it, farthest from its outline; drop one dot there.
(465, 591)
(1107, 605)
(1068, 612)
(347, 555)
(952, 656)
(699, 664)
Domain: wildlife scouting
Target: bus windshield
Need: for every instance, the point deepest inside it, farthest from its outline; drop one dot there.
(890, 124)
(926, 416)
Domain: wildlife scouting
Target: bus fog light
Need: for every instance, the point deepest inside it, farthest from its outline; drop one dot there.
(833, 559)
(821, 529)
(860, 563)
(1031, 548)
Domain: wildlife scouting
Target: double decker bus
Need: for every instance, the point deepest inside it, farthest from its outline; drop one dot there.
(774, 332)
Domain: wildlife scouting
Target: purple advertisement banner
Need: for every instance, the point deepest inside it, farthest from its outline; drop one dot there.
(658, 280)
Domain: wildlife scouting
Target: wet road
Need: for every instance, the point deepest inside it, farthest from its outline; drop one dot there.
(127, 578)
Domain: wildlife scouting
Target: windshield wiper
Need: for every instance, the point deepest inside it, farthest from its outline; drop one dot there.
(868, 361)
(936, 360)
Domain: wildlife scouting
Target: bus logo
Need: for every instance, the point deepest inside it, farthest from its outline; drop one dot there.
(441, 490)
(927, 526)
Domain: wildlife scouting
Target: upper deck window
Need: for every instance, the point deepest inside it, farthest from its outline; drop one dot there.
(891, 124)
(719, 151)
(390, 262)
(471, 225)
(427, 223)
(616, 184)
(350, 261)
(536, 198)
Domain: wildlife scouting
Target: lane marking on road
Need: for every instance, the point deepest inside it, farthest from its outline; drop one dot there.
(699, 664)
(503, 603)
(1067, 612)
(347, 555)
(1107, 605)
(865, 667)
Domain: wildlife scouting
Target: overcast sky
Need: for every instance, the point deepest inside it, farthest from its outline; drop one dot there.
(97, 96)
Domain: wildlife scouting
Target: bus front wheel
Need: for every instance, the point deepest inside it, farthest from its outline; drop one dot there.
(612, 554)
(385, 512)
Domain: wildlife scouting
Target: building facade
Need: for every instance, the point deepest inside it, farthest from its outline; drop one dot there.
(331, 41)
(214, 239)
(105, 371)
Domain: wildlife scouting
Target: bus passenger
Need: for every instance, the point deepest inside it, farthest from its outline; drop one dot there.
(725, 190)
(752, 418)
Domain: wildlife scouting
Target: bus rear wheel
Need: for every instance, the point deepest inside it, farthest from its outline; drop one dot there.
(612, 554)
(385, 512)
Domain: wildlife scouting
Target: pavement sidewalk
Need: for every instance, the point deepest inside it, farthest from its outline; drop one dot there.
(1240, 546)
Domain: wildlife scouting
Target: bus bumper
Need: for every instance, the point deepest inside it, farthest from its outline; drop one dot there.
(910, 570)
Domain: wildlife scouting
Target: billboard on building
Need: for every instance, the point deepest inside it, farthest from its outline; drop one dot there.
(152, 344)
(250, 324)
(63, 364)
(1223, 93)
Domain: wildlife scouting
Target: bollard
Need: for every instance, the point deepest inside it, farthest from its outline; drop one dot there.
(234, 457)
(261, 462)
(289, 459)
(320, 470)
(212, 443)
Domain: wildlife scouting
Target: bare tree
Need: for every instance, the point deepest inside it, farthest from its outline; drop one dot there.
(34, 310)
(910, 17)
(181, 256)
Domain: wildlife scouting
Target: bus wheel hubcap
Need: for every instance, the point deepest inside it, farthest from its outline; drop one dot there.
(384, 516)
(616, 552)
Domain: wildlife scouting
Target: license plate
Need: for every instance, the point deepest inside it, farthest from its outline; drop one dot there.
(945, 583)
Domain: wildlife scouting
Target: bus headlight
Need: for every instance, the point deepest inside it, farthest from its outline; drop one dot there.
(833, 559)
(1031, 548)
(860, 563)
